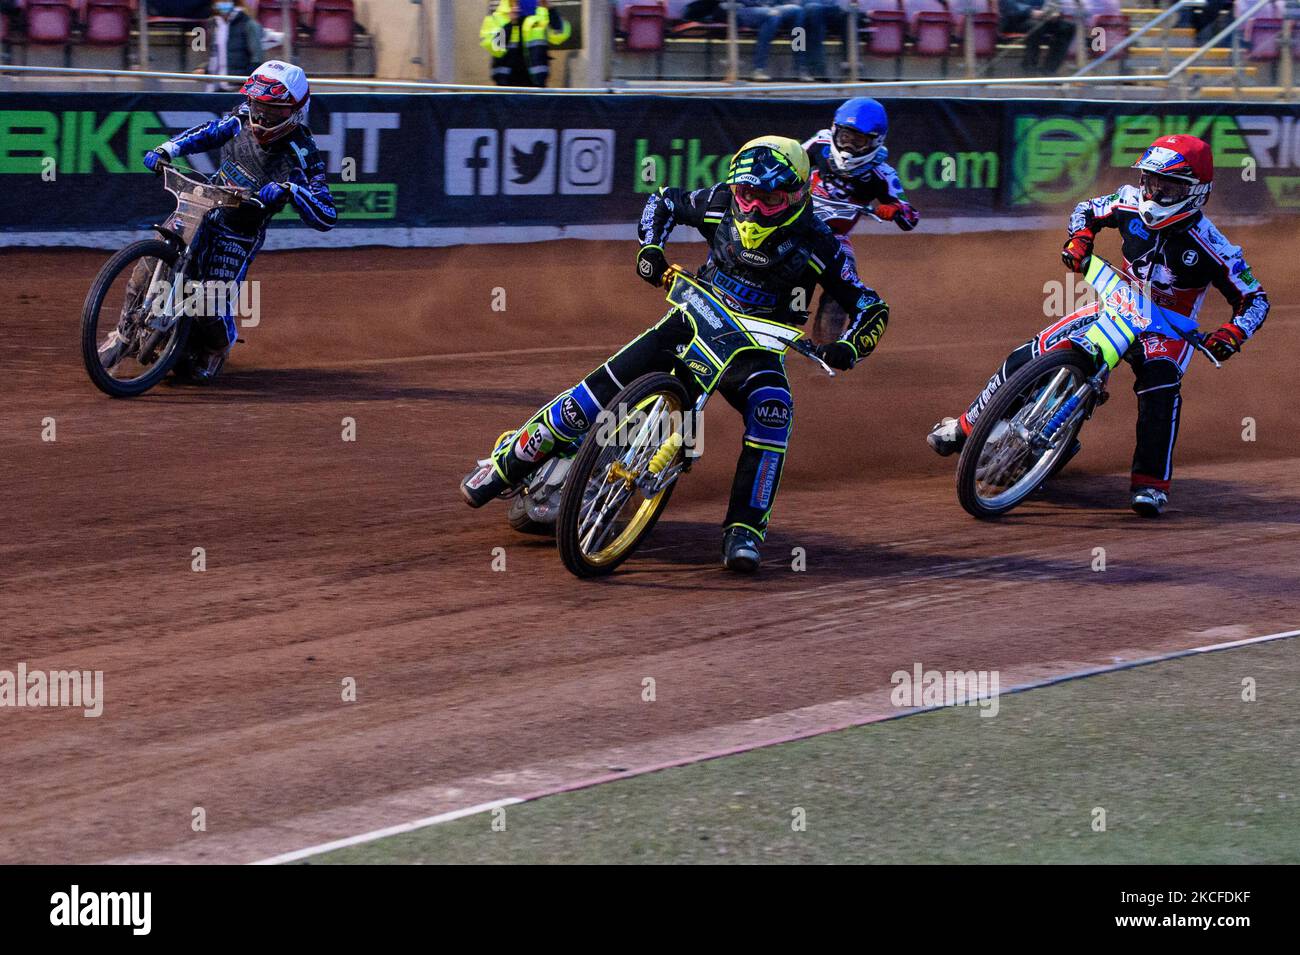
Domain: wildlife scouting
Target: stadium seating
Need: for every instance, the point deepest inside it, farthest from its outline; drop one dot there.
(107, 22)
(886, 27)
(930, 25)
(332, 23)
(984, 24)
(643, 22)
(48, 22)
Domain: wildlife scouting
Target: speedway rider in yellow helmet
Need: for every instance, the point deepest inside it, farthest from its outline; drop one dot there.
(767, 253)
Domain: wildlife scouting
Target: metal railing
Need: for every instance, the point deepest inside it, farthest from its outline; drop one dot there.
(1129, 40)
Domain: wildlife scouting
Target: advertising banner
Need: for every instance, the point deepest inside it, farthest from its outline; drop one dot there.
(433, 169)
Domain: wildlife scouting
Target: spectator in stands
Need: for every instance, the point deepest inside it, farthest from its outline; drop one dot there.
(822, 16)
(1203, 19)
(770, 17)
(236, 40)
(518, 34)
(1047, 23)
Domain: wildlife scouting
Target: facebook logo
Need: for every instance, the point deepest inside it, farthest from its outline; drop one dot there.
(470, 162)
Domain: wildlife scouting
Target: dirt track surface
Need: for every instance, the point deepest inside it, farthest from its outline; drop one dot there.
(328, 560)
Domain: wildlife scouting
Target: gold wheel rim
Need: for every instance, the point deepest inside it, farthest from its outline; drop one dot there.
(649, 506)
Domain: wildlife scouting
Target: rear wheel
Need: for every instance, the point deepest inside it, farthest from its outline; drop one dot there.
(624, 475)
(999, 468)
(522, 522)
(124, 352)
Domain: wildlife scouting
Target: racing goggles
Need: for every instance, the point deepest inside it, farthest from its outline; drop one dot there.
(1162, 190)
(768, 202)
(855, 142)
(269, 115)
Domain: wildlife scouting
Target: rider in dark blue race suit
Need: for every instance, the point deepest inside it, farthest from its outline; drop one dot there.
(266, 147)
(767, 254)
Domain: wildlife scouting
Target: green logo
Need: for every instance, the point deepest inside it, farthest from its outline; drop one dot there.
(684, 166)
(1056, 159)
(1285, 190)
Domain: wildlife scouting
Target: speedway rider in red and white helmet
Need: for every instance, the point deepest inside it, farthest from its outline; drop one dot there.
(266, 148)
(1173, 250)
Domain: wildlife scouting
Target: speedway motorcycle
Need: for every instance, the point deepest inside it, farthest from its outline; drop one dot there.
(1028, 431)
(137, 317)
(604, 499)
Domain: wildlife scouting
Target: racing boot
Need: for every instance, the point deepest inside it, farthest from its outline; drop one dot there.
(206, 365)
(740, 549)
(486, 481)
(1148, 501)
(946, 437)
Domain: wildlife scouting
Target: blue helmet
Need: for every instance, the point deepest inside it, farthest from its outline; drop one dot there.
(858, 134)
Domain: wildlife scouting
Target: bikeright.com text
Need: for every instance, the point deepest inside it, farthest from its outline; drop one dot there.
(76, 688)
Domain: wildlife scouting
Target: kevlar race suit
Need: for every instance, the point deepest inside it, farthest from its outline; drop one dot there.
(1176, 265)
(225, 245)
(839, 199)
(773, 281)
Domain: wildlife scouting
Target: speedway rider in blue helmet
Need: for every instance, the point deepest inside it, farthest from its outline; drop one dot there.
(849, 175)
(767, 253)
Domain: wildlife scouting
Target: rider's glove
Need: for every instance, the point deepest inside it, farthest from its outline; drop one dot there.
(154, 159)
(273, 194)
(839, 355)
(651, 264)
(902, 214)
(1077, 249)
(1225, 341)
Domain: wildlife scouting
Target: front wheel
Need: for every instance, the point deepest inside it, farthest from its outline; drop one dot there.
(128, 341)
(1005, 458)
(624, 475)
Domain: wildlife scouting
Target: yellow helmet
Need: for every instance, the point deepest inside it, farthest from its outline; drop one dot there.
(768, 177)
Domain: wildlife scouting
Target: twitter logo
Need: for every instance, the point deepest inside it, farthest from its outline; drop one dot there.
(530, 157)
(528, 166)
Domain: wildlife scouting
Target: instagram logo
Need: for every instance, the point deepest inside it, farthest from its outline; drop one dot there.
(586, 161)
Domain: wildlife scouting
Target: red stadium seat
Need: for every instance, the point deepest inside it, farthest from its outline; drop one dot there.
(332, 24)
(270, 13)
(107, 22)
(645, 26)
(1264, 35)
(49, 22)
(932, 33)
(886, 27)
(1114, 27)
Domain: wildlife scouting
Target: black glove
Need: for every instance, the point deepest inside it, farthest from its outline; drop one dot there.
(839, 355)
(651, 264)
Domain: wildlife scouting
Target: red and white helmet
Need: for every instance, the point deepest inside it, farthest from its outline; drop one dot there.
(1177, 176)
(277, 95)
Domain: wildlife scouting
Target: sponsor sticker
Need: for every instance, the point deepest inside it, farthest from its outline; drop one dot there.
(765, 480)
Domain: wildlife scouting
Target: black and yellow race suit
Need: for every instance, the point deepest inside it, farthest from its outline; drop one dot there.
(774, 281)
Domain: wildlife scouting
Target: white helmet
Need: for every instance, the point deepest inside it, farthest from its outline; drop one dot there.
(277, 95)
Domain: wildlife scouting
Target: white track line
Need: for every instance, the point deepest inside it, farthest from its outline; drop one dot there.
(390, 831)
(425, 823)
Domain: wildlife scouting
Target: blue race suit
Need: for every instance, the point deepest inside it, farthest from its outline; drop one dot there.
(229, 239)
